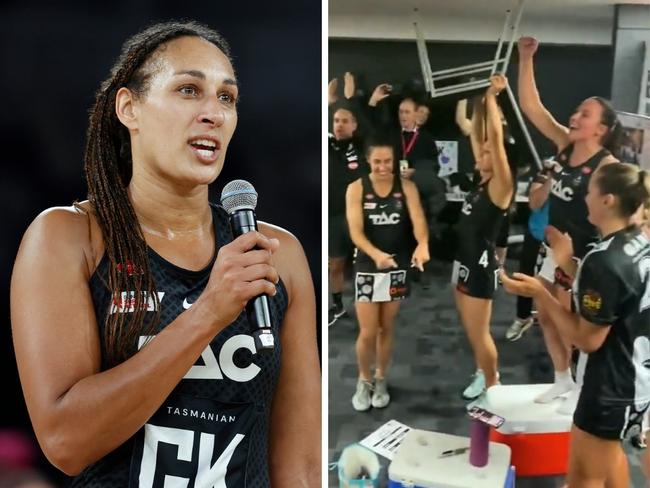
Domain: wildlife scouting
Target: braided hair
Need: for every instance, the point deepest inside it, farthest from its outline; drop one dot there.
(108, 169)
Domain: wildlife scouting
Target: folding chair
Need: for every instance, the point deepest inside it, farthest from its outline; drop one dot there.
(434, 82)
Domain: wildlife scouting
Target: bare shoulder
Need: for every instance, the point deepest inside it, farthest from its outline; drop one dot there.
(408, 185)
(64, 232)
(410, 189)
(289, 243)
(355, 185)
(290, 259)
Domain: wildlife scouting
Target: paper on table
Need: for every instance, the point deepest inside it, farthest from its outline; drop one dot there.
(386, 439)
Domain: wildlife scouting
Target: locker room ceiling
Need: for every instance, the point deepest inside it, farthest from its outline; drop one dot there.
(555, 21)
(490, 8)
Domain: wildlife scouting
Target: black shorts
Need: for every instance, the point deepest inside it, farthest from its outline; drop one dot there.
(339, 242)
(608, 422)
(476, 275)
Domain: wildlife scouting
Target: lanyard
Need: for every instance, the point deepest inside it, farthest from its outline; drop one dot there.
(407, 149)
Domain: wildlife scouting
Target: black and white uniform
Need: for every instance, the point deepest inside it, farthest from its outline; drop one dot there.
(212, 430)
(346, 164)
(568, 210)
(613, 288)
(387, 225)
(475, 271)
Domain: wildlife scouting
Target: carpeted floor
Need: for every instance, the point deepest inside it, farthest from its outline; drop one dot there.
(431, 365)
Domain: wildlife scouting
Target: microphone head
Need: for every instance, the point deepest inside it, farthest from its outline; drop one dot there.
(238, 195)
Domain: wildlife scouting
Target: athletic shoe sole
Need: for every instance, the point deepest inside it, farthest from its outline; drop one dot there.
(469, 399)
(336, 317)
(521, 331)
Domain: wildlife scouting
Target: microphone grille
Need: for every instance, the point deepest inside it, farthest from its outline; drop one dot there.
(238, 195)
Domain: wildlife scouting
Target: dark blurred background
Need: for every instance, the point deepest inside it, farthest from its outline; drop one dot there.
(53, 56)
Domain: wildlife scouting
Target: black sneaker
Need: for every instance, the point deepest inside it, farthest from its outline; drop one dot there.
(334, 314)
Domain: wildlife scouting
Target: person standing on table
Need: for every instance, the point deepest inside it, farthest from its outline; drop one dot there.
(466, 126)
(475, 268)
(587, 143)
(611, 324)
(137, 360)
(382, 210)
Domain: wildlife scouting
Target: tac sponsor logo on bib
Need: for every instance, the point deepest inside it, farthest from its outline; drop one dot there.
(384, 219)
(562, 192)
(220, 364)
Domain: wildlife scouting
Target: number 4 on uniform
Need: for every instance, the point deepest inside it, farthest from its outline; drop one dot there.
(484, 259)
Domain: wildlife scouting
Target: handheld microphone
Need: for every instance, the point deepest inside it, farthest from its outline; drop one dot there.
(239, 198)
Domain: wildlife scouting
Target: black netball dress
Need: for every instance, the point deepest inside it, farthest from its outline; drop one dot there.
(387, 225)
(212, 430)
(475, 271)
(613, 288)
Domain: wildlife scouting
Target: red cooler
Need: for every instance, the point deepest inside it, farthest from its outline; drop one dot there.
(537, 435)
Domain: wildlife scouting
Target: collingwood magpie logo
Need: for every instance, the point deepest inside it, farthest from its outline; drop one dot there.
(384, 219)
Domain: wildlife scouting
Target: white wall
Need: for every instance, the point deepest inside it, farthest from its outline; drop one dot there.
(470, 21)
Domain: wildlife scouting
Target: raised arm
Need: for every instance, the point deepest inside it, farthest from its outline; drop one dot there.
(501, 185)
(78, 412)
(530, 101)
(295, 431)
(354, 216)
(477, 134)
(463, 123)
(332, 97)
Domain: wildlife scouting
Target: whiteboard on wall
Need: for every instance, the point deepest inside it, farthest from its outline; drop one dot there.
(636, 139)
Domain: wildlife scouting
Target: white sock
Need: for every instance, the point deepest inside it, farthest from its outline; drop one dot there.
(563, 377)
(580, 368)
(570, 402)
(563, 384)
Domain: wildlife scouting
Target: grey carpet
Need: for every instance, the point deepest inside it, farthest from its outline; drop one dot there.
(431, 365)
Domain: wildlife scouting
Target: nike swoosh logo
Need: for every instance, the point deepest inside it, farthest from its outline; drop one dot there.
(186, 304)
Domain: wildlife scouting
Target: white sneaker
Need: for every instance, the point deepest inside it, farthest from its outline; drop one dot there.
(476, 387)
(555, 391)
(517, 328)
(569, 404)
(380, 397)
(361, 399)
(480, 402)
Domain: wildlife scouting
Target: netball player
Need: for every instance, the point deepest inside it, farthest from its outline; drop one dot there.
(134, 355)
(382, 210)
(587, 143)
(484, 210)
(611, 295)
